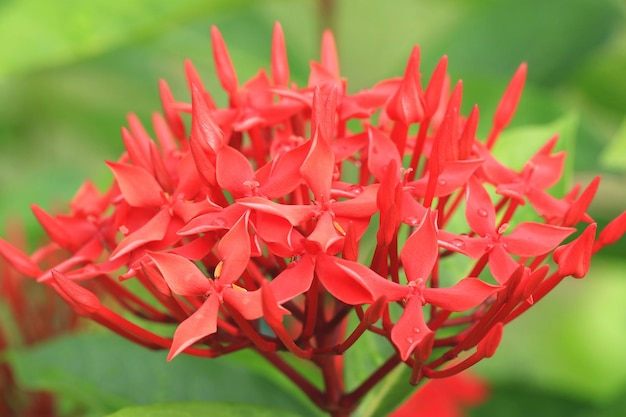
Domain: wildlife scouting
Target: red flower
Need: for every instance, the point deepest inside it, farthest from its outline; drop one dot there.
(298, 218)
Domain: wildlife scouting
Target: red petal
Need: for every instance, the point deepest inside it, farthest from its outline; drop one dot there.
(202, 323)
(407, 104)
(574, 258)
(488, 345)
(81, 299)
(223, 219)
(137, 143)
(329, 57)
(420, 250)
(138, 186)
(612, 232)
(454, 175)
(284, 175)
(534, 239)
(363, 205)
(510, 99)
(466, 294)
(546, 170)
(325, 232)
(68, 232)
(280, 66)
(411, 329)
(234, 172)
(174, 121)
(501, 264)
(317, 169)
(433, 93)
(381, 152)
(296, 214)
(223, 64)
(479, 209)
(354, 283)
(294, 280)
(182, 275)
(204, 128)
(235, 249)
(18, 260)
(248, 303)
(153, 230)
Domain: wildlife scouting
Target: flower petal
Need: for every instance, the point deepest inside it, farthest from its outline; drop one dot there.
(354, 283)
(153, 230)
(234, 172)
(202, 323)
(138, 186)
(181, 275)
(479, 209)
(235, 250)
(411, 330)
(466, 294)
(248, 303)
(534, 239)
(294, 280)
(574, 258)
(420, 251)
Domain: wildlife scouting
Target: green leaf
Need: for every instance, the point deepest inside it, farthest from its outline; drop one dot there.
(105, 373)
(614, 155)
(195, 409)
(572, 341)
(388, 395)
(36, 34)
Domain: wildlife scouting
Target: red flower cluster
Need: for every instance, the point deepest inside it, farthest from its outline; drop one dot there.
(297, 219)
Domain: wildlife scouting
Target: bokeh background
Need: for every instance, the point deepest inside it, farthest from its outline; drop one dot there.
(70, 71)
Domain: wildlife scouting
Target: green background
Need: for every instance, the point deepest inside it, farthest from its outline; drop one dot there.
(71, 70)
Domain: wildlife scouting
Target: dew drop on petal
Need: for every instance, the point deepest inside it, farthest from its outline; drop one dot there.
(220, 222)
(441, 182)
(355, 189)
(411, 220)
(458, 243)
(410, 339)
(482, 212)
(416, 330)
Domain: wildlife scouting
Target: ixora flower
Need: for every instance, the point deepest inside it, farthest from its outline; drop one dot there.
(298, 219)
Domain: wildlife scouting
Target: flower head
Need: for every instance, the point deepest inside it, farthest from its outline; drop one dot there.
(299, 218)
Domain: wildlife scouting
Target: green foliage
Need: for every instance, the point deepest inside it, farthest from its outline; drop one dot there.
(103, 373)
(62, 32)
(200, 409)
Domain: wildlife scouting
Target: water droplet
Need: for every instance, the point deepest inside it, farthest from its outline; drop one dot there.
(416, 330)
(441, 182)
(220, 222)
(458, 243)
(482, 212)
(410, 339)
(411, 220)
(355, 189)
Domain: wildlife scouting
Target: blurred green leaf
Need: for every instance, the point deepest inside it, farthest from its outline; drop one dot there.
(572, 342)
(388, 394)
(614, 155)
(105, 373)
(553, 37)
(36, 34)
(201, 409)
(522, 400)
